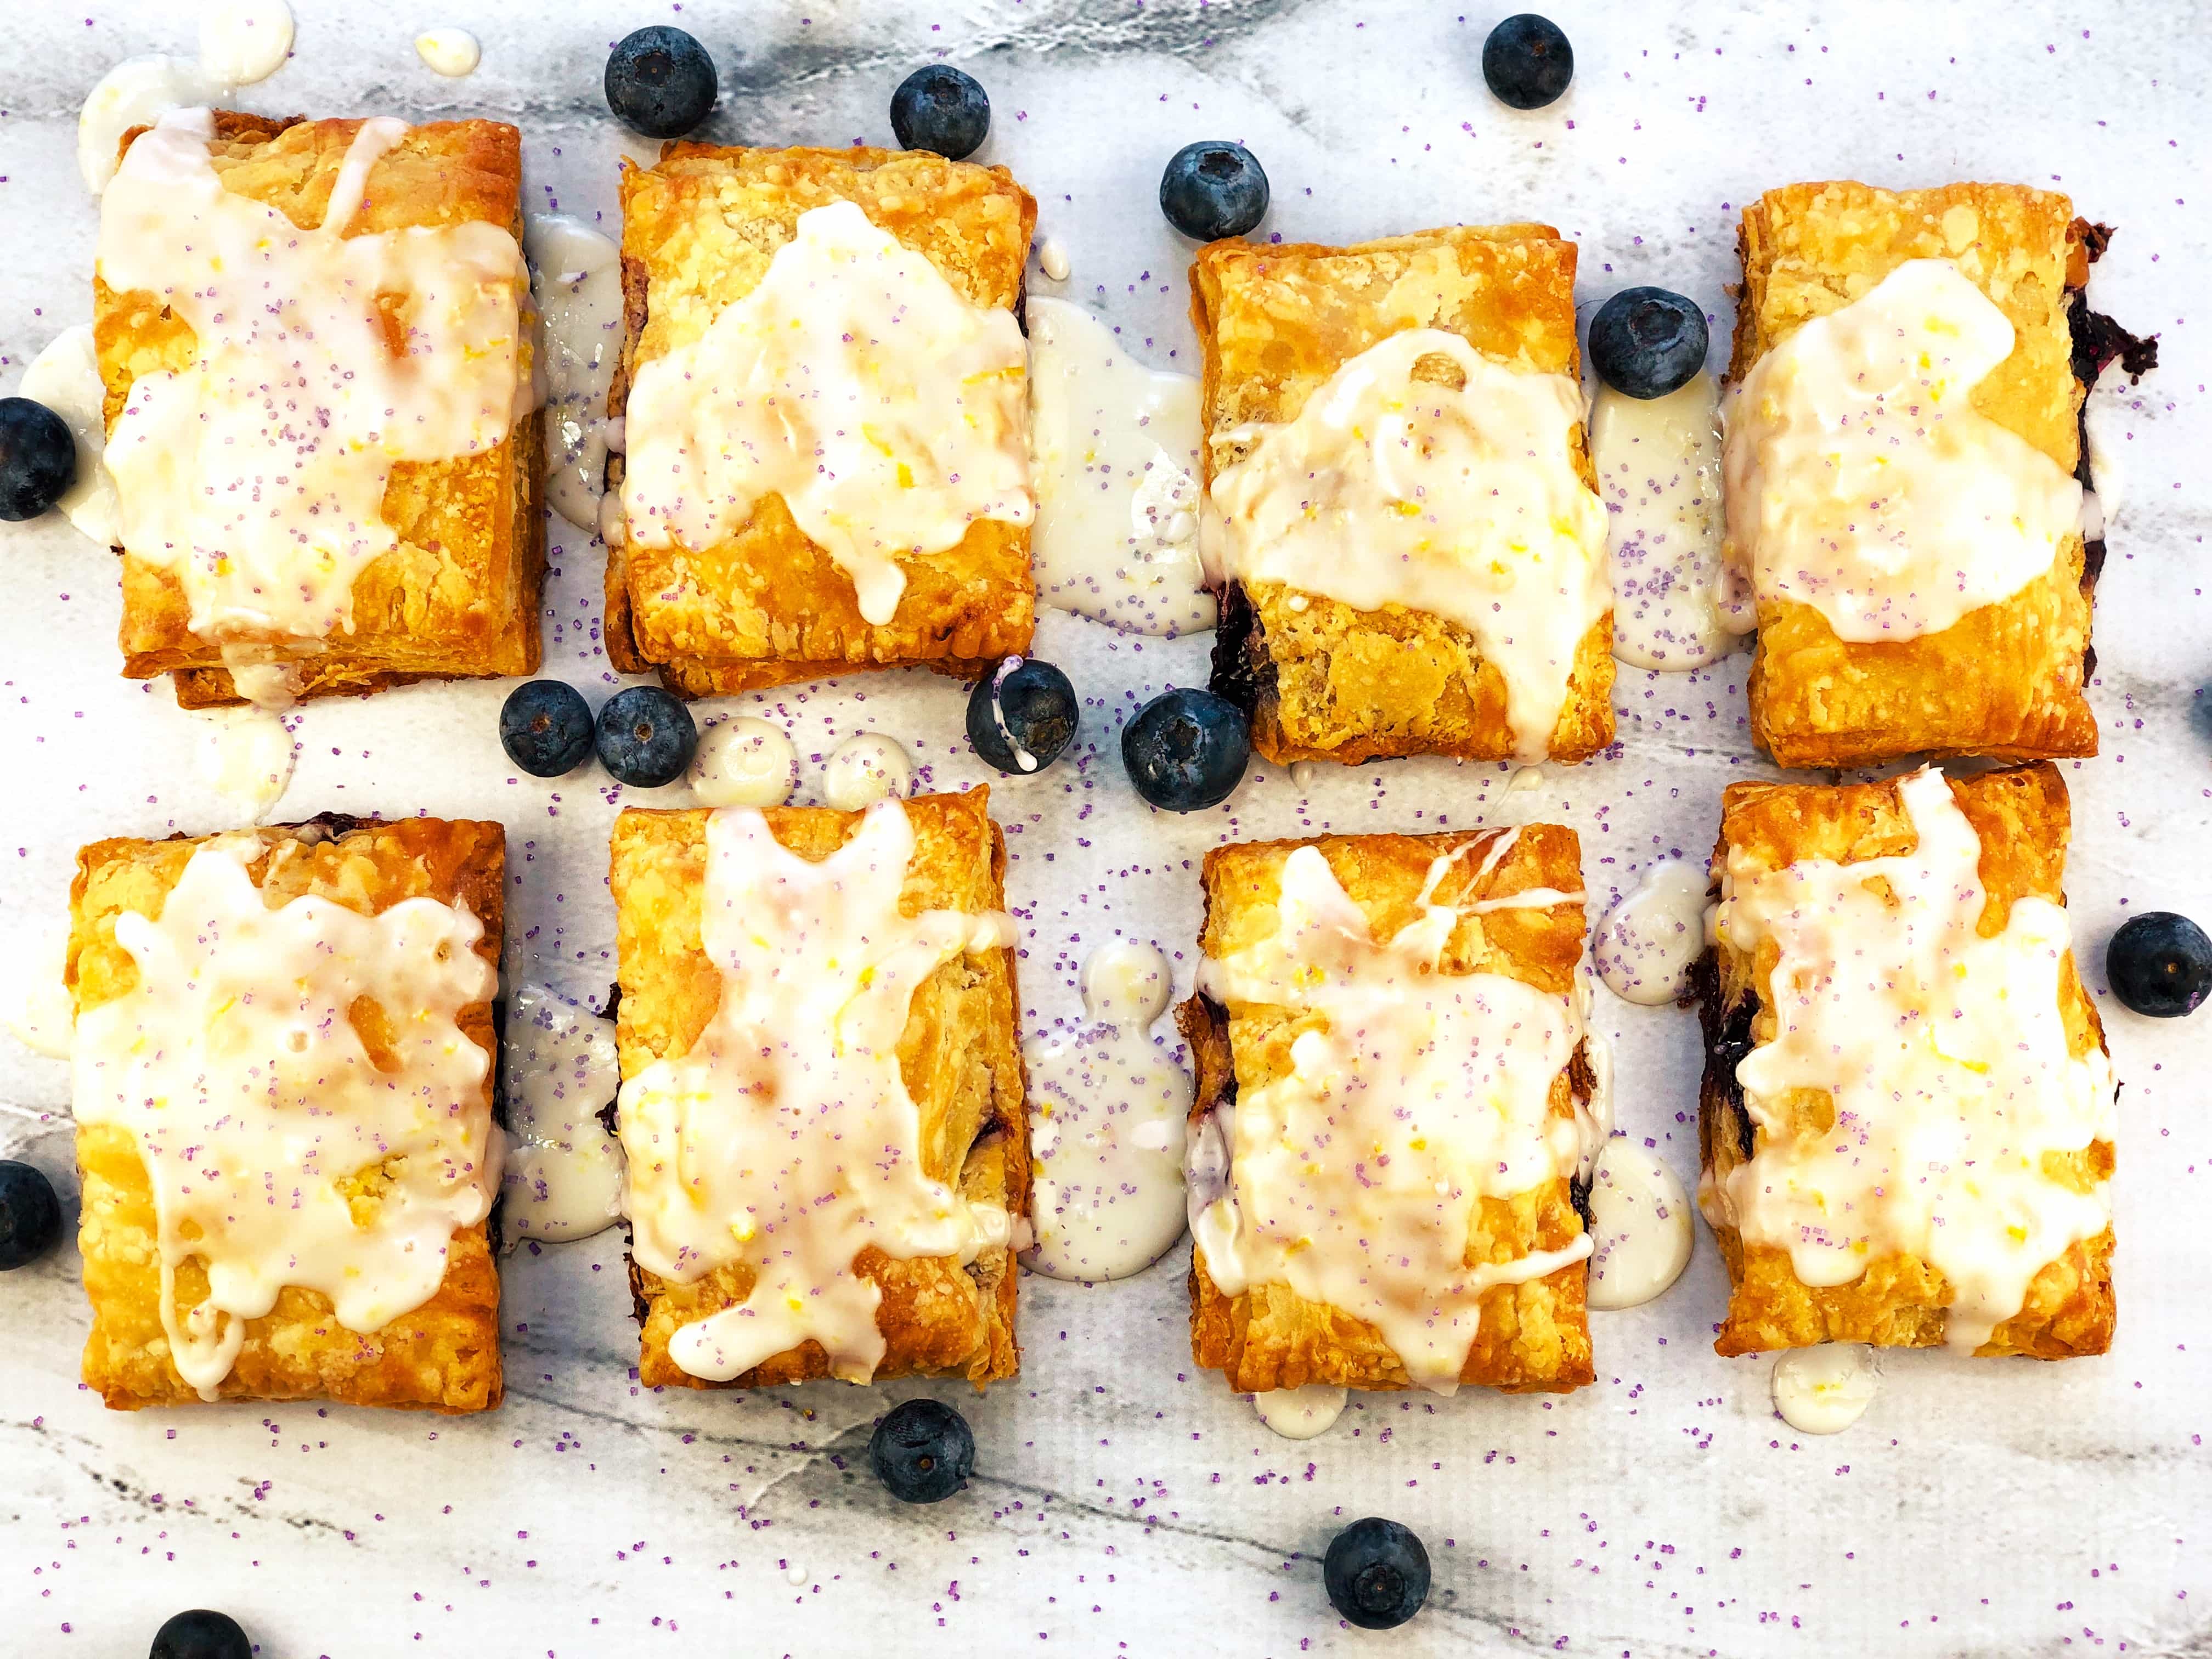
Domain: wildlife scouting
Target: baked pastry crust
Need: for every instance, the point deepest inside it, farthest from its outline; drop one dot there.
(959, 1056)
(2021, 816)
(2005, 680)
(768, 606)
(444, 1356)
(1531, 1337)
(1320, 679)
(457, 598)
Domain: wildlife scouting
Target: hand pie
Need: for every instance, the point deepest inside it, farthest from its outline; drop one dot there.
(1923, 587)
(1395, 1106)
(1449, 593)
(231, 562)
(772, 530)
(822, 1094)
(284, 1056)
(1913, 1148)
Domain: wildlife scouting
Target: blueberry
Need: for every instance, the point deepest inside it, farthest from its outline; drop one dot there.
(201, 1634)
(941, 109)
(1214, 189)
(1646, 343)
(545, 727)
(1186, 750)
(1527, 61)
(38, 458)
(1022, 716)
(646, 737)
(2160, 964)
(660, 81)
(1376, 1573)
(30, 1214)
(922, 1451)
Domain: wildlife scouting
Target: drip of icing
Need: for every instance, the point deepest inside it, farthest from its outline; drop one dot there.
(309, 1108)
(855, 382)
(246, 755)
(1022, 758)
(1826, 1390)
(1861, 481)
(36, 1006)
(244, 42)
(1640, 1220)
(1658, 463)
(1106, 1114)
(241, 42)
(576, 275)
(563, 1177)
(866, 768)
(65, 378)
(1113, 449)
(744, 761)
(1302, 1413)
(783, 1142)
(1052, 259)
(1433, 1090)
(288, 320)
(1946, 1058)
(1462, 503)
(1649, 942)
(449, 52)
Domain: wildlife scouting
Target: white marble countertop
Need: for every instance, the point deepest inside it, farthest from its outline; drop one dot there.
(1125, 1503)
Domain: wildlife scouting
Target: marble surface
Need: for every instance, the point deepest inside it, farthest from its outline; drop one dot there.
(1127, 1504)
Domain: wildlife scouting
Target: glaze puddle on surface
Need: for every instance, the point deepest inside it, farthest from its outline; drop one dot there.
(744, 761)
(65, 378)
(1647, 943)
(245, 756)
(1107, 1110)
(1302, 1413)
(575, 275)
(1640, 1221)
(1658, 463)
(242, 43)
(1826, 1390)
(36, 1006)
(1113, 460)
(450, 52)
(563, 1175)
(866, 768)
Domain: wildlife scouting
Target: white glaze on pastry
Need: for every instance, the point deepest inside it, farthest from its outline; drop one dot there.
(265, 514)
(1946, 1056)
(1353, 1178)
(1302, 1413)
(448, 51)
(1826, 1390)
(241, 42)
(1658, 463)
(785, 1140)
(1648, 943)
(885, 408)
(1107, 1106)
(576, 277)
(65, 378)
(282, 1147)
(744, 761)
(1459, 501)
(866, 768)
(1640, 1224)
(1114, 452)
(564, 1174)
(1860, 480)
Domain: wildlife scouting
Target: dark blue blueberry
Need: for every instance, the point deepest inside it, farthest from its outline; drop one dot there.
(1214, 189)
(38, 458)
(546, 728)
(1186, 750)
(1376, 1573)
(1022, 716)
(660, 81)
(30, 1214)
(1527, 61)
(1646, 342)
(201, 1634)
(646, 737)
(2160, 964)
(941, 109)
(922, 1451)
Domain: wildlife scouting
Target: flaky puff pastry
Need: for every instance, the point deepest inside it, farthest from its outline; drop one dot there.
(2005, 680)
(1321, 679)
(444, 1356)
(959, 1056)
(457, 598)
(768, 606)
(1531, 1337)
(2022, 818)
